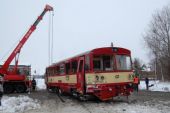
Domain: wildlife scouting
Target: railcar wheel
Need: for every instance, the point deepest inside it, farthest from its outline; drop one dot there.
(20, 88)
(8, 88)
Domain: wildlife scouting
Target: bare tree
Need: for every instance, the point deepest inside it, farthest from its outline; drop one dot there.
(157, 39)
(137, 66)
(137, 63)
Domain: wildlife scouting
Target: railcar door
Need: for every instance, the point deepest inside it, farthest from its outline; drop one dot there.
(81, 76)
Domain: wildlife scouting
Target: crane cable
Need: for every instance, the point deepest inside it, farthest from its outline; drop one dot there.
(50, 38)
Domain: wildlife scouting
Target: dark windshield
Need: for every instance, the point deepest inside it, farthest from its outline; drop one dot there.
(103, 63)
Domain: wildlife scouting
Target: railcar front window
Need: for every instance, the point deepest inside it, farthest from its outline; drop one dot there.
(107, 63)
(103, 63)
(97, 65)
(123, 62)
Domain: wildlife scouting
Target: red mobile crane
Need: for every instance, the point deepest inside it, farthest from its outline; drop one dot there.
(11, 79)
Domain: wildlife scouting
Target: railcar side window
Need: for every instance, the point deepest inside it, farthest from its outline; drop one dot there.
(52, 71)
(123, 62)
(57, 70)
(49, 74)
(97, 63)
(68, 68)
(74, 66)
(81, 66)
(87, 62)
(62, 70)
(103, 63)
(107, 63)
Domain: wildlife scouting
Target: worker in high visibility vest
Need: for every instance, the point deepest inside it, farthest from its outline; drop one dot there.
(136, 83)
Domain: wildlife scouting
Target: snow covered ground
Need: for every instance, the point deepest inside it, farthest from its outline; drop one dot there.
(18, 104)
(43, 102)
(27, 105)
(40, 84)
(158, 86)
(111, 108)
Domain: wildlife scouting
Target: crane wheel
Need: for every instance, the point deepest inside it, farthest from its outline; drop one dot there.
(8, 88)
(20, 88)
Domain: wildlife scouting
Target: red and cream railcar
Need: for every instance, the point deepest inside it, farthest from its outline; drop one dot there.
(102, 72)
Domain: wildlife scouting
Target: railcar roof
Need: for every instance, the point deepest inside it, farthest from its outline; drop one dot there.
(85, 53)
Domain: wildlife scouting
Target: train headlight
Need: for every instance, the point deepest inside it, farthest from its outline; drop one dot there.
(97, 78)
(102, 78)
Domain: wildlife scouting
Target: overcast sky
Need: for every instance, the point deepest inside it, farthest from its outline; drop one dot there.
(79, 25)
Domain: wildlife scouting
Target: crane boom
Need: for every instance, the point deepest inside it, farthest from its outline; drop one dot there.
(4, 68)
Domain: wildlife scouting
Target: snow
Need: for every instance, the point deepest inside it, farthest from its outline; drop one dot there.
(22, 103)
(25, 104)
(40, 84)
(114, 107)
(158, 86)
(18, 104)
(124, 108)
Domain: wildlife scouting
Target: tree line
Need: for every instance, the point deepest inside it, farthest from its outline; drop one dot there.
(157, 40)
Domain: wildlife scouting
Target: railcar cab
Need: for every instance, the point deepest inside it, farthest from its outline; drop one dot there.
(117, 59)
(110, 72)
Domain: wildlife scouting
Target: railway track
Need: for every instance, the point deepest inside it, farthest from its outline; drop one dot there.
(59, 96)
(85, 107)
